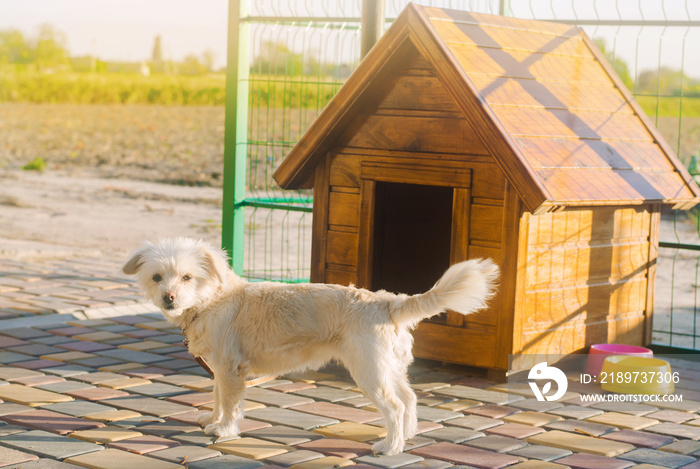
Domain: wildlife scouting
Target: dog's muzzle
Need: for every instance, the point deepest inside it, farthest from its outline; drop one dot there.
(168, 300)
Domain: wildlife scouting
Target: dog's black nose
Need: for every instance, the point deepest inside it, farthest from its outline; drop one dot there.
(168, 297)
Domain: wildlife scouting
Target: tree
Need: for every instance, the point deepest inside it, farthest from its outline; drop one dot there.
(276, 59)
(619, 65)
(669, 81)
(157, 55)
(192, 66)
(208, 58)
(50, 47)
(14, 48)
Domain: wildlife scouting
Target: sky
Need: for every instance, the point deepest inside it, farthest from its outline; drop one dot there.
(124, 30)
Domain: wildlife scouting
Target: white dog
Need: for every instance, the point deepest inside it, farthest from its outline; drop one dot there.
(260, 329)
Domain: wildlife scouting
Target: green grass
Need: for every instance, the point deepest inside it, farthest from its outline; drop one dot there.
(108, 88)
(670, 107)
(303, 92)
(126, 88)
(37, 164)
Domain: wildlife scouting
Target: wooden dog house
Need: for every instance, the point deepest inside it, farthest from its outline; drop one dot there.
(464, 135)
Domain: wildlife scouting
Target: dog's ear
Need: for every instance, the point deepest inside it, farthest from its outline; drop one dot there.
(215, 262)
(134, 264)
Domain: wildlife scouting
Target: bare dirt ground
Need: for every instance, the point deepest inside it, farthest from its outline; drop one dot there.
(115, 176)
(61, 214)
(172, 144)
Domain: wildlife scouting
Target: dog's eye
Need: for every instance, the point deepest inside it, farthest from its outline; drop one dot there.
(187, 278)
(157, 278)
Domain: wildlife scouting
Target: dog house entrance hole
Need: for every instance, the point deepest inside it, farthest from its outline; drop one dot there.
(412, 235)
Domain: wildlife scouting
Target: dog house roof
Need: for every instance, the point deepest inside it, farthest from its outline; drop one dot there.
(539, 95)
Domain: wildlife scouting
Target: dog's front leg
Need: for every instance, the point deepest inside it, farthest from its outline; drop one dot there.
(215, 415)
(229, 398)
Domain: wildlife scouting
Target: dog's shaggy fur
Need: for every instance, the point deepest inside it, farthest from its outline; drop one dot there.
(258, 329)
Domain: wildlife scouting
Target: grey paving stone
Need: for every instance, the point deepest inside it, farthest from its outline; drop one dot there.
(576, 426)
(476, 394)
(170, 338)
(64, 386)
(274, 398)
(135, 356)
(69, 370)
(500, 444)
(120, 341)
(659, 458)
(539, 452)
(273, 382)
(185, 454)
(676, 430)
(98, 362)
(324, 393)
(678, 447)
(417, 442)
(640, 439)
(167, 429)
(25, 333)
(136, 422)
(178, 379)
(35, 350)
(536, 406)
(428, 464)
(390, 462)
(227, 461)
(77, 408)
(358, 402)
(12, 456)
(7, 429)
(290, 418)
(48, 445)
(168, 350)
(294, 457)
(195, 370)
(284, 435)
(12, 357)
(631, 408)
(179, 364)
(436, 415)
(575, 412)
(98, 377)
(196, 438)
(453, 434)
(43, 464)
(8, 408)
(53, 340)
(474, 422)
(158, 390)
(117, 328)
(148, 405)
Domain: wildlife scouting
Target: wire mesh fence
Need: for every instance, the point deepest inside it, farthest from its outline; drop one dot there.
(300, 53)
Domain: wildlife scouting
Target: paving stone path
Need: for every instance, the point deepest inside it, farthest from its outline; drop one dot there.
(92, 377)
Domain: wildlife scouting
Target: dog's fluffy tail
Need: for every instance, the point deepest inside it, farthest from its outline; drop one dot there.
(464, 288)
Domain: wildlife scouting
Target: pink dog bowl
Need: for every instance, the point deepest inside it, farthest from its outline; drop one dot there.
(599, 352)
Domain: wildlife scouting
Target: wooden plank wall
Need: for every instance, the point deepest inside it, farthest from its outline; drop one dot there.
(585, 280)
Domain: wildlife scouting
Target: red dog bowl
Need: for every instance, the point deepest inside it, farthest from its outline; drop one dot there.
(599, 352)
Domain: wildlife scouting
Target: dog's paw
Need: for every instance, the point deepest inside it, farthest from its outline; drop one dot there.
(205, 419)
(387, 448)
(222, 430)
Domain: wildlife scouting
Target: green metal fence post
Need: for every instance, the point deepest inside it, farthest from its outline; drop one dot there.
(504, 7)
(236, 134)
